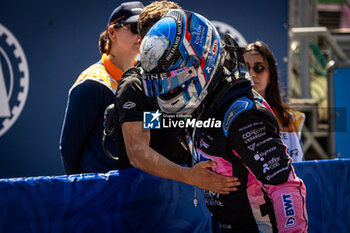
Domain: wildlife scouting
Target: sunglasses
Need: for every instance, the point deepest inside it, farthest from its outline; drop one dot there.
(133, 27)
(259, 68)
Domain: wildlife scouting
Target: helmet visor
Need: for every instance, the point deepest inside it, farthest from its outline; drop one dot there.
(158, 84)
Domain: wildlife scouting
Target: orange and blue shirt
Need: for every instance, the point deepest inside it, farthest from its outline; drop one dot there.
(81, 136)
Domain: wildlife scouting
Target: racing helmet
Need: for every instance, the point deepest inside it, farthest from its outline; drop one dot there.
(179, 56)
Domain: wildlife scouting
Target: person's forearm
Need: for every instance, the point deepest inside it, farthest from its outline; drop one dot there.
(142, 156)
(145, 158)
(148, 160)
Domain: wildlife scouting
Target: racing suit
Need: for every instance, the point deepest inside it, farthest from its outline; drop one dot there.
(271, 197)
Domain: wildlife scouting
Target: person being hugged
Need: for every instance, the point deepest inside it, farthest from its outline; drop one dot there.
(189, 76)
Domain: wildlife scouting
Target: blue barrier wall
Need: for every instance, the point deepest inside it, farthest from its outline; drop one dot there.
(134, 201)
(341, 111)
(125, 201)
(59, 40)
(327, 194)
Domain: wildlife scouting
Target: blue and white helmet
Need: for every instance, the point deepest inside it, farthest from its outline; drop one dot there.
(179, 56)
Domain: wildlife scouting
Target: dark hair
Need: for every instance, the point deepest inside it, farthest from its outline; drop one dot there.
(273, 95)
(153, 12)
(105, 43)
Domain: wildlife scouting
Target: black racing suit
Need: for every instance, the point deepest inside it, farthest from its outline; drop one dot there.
(271, 198)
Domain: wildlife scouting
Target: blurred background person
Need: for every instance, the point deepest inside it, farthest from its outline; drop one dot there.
(94, 90)
(262, 67)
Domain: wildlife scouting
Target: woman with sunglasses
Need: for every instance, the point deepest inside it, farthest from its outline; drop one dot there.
(263, 70)
(80, 144)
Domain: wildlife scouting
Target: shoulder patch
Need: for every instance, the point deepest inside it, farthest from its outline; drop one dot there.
(237, 107)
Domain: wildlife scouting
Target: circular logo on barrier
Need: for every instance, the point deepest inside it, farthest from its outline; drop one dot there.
(14, 79)
(224, 28)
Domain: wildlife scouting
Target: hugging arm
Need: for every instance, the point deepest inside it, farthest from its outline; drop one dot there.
(142, 156)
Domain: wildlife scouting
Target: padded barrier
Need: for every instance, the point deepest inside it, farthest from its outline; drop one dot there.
(120, 201)
(341, 112)
(133, 201)
(327, 194)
